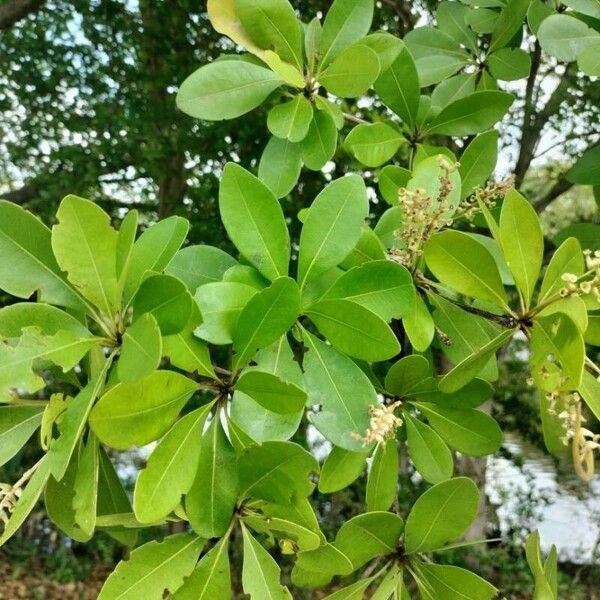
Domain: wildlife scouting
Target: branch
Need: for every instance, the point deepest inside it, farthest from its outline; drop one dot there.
(15, 10)
(559, 188)
(22, 195)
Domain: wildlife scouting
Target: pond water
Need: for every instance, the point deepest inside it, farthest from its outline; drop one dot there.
(566, 510)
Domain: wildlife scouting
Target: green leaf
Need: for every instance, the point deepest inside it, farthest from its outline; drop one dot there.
(342, 391)
(454, 88)
(452, 583)
(478, 161)
(170, 469)
(138, 413)
(265, 318)
(187, 352)
(346, 22)
(17, 424)
(320, 144)
(273, 24)
(221, 305)
(27, 500)
(291, 119)
(451, 19)
(368, 248)
(566, 37)
(509, 64)
(427, 450)
(483, 20)
(254, 221)
(340, 469)
(85, 487)
(351, 73)
(165, 298)
(85, 246)
(465, 265)
(276, 472)
(588, 61)
(260, 572)
(226, 89)
(141, 350)
(280, 166)
(398, 87)
(354, 591)
(247, 275)
(590, 392)
(259, 423)
(442, 514)
(543, 589)
(354, 329)
(470, 115)
(407, 373)
(382, 286)
(312, 43)
(211, 500)
(153, 568)
(368, 535)
(382, 481)
(48, 319)
(387, 47)
(154, 250)
(437, 56)
(326, 560)
(419, 325)
(373, 143)
(391, 179)
(125, 244)
(557, 353)
(211, 579)
(586, 170)
(199, 265)
(522, 242)
(28, 264)
(332, 227)
(271, 392)
(469, 431)
(588, 235)
(509, 23)
(468, 369)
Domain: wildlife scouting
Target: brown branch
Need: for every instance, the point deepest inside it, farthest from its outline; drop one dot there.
(15, 10)
(559, 188)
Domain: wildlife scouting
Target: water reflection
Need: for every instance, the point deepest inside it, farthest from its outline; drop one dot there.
(567, 512)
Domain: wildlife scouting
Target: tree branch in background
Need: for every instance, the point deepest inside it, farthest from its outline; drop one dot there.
(560, 187)
(12, 11)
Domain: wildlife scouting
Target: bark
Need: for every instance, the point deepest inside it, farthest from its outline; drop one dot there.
(559, 188)
(13, 11)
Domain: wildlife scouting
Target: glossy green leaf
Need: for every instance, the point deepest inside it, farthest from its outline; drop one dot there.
(154, 250)
(226, 89)
(28, 264)
(332, 227)
(407, 373)
(260, 572)
(543, 589)
(465, 265)
(17, 424)
(153, 568)
(211, 579)
(428, 452)
(588, 60)
(442, 514)
(451, 19)
(170, 469)
(341, 390)
(276, 472)
(565, 37)
(391, 179)
(265, 318)
(454, 88)
(590, 392)
(85, 246)
(85, 486)
(291, 119)
(271, 392)
(320, 144)
(346, 22)
(340, 469)
(211, 500)
(586, 170)
(382, 481)
(452, 583)
(373, 144)
(470, 115)
(141, 350)
(419, 325)
(199, 265)
(254, 221)
(478, 161)
(273, 24)
(509, 23)
(354, 329)
(167, 299)
(469, 431)
(125, 244)
(522, 242)
(280, 166)
(49, 319)
(135, 414)
(509, 64)
(352, 72)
